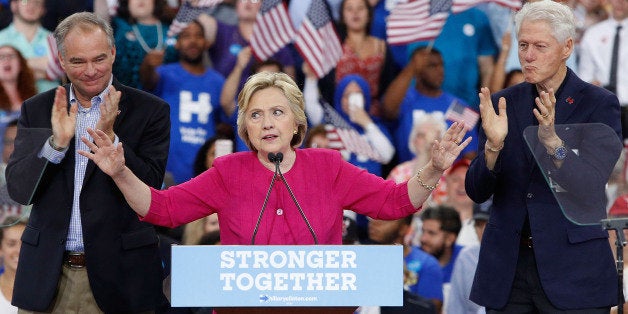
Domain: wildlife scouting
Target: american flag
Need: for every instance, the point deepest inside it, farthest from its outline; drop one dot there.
(416, 20)
(343, 137)
(463, 114)
(188, 12)
(272, 30)
(461, 5)
(54, 71)
(317, 40)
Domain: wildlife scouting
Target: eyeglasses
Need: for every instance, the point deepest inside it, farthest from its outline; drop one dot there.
(8, 56)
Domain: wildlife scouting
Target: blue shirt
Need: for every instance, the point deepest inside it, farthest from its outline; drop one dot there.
(194, 112)
(428, 274)
(465, 37)
(413, 103)
(449, 268)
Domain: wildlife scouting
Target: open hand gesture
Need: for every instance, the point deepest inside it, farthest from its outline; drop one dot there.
(63, 122)
(445, 151)
(495, 125)
(109, 158)
(109, 112)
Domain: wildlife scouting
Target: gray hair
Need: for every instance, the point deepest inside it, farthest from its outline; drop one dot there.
(85, 21)
(560, 18)
(436, 119)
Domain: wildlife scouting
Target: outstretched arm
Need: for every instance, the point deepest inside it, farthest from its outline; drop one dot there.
(110, 159)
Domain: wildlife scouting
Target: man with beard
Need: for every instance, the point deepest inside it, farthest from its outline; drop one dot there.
(422, 274)
(193, 92)
(30, 38)
(441, 225)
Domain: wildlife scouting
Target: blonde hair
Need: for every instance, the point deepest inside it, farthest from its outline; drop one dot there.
(289, 89)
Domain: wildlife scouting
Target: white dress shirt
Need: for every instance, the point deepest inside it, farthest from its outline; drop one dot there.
(595, 56)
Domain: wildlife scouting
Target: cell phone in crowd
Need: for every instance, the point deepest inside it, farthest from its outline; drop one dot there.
(356, 101)
(223, 147)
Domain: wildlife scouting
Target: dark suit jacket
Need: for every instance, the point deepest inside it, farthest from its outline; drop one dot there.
(122, 256)
(575, 262)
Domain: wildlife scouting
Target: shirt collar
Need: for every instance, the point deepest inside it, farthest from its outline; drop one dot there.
(98, 98)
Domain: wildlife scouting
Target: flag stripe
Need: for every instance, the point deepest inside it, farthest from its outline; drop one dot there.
(272, 31)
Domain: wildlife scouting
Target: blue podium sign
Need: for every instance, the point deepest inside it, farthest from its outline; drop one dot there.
(282, 275)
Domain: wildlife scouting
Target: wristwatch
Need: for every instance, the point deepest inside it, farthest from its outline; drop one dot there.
(560, 152)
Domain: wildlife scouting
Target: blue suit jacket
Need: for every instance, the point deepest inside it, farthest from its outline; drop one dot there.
(122, 256)
(575, 262)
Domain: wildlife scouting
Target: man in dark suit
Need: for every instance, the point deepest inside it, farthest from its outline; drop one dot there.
(532, 258)
(84, 248)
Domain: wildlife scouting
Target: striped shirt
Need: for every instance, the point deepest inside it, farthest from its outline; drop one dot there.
(86, 118)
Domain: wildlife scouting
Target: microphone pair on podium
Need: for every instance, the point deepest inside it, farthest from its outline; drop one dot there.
(277, 158)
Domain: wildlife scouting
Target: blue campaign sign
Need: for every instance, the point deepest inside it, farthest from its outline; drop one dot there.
(283, 275)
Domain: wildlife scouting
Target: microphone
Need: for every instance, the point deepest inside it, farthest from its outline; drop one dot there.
(275, 158)
(278, 158)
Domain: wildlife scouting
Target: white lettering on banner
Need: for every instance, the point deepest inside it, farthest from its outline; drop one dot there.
(289, 259)
(202, 108)
(193, 135)
(288, 281)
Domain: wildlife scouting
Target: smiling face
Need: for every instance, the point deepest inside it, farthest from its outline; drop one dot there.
(9, 64)
(269, 121)
(542, 57)
(89, 69)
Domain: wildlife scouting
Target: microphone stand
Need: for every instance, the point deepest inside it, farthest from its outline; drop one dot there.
(277, 160)
(294, 199)
(618, 225)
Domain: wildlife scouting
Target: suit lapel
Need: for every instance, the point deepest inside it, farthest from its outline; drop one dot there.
(568, 99)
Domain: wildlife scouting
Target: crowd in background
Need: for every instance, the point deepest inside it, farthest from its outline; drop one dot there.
(395, 99)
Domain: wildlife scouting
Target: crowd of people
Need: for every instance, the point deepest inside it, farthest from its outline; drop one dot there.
(126, 139)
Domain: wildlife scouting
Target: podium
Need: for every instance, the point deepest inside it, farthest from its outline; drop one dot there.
(286, 279)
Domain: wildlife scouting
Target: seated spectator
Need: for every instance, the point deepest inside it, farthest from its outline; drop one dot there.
(17, 83)
(10, 244)
(426, 128)
(441, 225)
(422, 273)
(316, 137)
(464, 268)
(456, 197)
(191, 89)
(139, 30)
(405, 103)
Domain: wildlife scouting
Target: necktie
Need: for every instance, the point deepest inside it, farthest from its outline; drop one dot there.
(612, 80)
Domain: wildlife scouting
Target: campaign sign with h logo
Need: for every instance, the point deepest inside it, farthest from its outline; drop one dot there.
(275, 276)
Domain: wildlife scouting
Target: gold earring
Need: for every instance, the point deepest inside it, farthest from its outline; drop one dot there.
(295, 132)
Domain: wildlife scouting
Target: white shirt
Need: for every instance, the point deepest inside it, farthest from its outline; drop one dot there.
(595, 56)
(5, 306)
